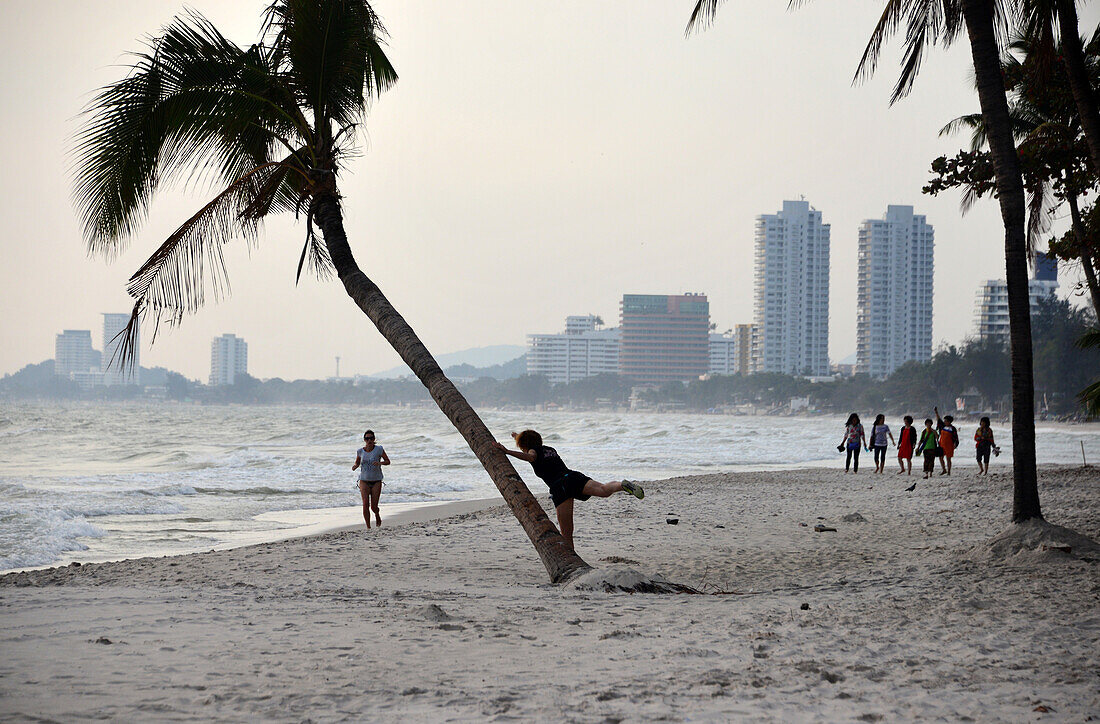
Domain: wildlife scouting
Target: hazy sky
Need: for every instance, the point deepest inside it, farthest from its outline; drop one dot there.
(535, 160)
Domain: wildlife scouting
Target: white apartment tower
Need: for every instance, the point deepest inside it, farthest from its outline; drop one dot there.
(792, 292)
(894, 292)
(991, 303)
(583, 350)
(228, 359)
(73, 353)
(114, 332)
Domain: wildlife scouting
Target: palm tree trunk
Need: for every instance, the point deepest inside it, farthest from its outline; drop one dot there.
(1073, 56)
(978, 15)
(1086, 255)
(561, 561)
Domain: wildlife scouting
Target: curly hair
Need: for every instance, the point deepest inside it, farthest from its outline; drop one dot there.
(528, 439)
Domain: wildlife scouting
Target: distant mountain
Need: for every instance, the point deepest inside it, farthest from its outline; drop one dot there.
(474, 357)
(506, 371)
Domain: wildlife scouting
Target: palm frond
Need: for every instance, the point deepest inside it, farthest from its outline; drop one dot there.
(1090, 398)
(886, 26)
(702, 16)
(315, 252)
(333, 53)
(1089, 339)
(195, 105)
(927, 22)
(189, 265)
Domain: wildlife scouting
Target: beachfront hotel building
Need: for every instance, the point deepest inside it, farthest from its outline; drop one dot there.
(74, 355)
(894, 291)
(791, 306)
(228, 359)
(664, 338)
(731, 352)
(723, 354)
(991, 301)
(114, 333)
(582, 350)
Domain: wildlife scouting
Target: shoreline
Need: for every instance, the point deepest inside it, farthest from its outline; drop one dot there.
(905, 608)
(306, 522)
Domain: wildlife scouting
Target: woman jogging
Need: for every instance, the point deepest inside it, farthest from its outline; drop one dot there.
(565, 485)
(369, 460)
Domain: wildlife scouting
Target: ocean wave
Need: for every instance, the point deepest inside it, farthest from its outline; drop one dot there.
(42, 539)
(261, 490)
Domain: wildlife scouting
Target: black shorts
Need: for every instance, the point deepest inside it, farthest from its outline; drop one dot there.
(570, 485)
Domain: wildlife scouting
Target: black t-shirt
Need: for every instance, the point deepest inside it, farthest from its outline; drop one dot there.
(548, 465)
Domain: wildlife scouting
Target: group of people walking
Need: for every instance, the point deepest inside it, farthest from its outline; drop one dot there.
(935, 443)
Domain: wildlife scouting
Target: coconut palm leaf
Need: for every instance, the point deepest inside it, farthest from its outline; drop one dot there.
(1090, 396)
(332, 53)
(702, 15)
(196, 106)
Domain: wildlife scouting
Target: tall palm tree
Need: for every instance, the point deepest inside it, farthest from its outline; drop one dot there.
(1048, 133)
(273, 125)
(941, 22)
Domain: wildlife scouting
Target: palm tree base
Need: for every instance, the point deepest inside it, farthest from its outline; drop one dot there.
(1037, 541)
(621, 579)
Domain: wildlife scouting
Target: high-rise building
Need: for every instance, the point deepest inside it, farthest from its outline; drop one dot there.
(228, 359)
(664, 338)
(723, 354)
(114, 332)
(583, 350)
(791, 309)
(73, 353)
(894, 291)
(991, 302)
(746, 340)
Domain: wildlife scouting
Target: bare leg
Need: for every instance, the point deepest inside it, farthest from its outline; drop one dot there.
(565, 521)
(948, 464)
(364, 490)
(602, 490)
(375, 494)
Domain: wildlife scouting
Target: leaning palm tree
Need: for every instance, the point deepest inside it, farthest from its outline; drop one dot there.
(273, 125)
(941, 22)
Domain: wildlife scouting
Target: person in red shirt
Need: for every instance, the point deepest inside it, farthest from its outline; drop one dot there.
(949, 440)
(907, 442)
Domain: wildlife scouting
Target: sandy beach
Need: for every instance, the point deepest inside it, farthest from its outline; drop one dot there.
(904, 612)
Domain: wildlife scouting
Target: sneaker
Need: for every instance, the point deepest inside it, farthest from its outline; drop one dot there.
(634, 489)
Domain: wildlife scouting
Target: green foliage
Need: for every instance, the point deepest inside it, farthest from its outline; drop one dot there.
(270, 125)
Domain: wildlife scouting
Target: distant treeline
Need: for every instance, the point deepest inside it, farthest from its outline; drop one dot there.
(977, 371)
